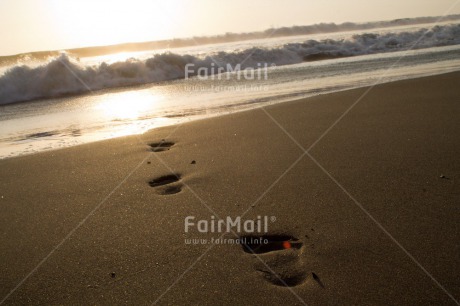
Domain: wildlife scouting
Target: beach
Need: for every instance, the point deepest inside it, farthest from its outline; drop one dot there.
(363, 183)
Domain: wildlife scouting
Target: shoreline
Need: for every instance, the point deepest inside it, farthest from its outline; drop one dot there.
(117, 215)
(196, 115)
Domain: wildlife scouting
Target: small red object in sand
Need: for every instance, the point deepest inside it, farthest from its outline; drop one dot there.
(286, 245)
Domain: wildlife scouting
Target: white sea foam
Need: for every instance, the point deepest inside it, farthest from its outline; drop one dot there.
(63, 74)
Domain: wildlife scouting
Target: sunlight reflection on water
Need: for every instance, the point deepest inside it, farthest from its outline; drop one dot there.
(127, 105)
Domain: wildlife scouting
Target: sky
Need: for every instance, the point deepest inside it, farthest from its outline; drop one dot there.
(39, 25)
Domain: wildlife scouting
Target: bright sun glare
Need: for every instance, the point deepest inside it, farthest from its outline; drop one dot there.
(127, 105)
(103, 22)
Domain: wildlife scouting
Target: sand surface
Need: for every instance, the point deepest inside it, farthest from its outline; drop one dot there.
(361, 200)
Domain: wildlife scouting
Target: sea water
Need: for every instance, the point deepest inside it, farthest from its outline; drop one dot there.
(64, 100)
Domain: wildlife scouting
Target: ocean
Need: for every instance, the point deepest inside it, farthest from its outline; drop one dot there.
(51, 99)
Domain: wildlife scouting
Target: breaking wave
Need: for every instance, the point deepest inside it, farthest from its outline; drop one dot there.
(64, 75)
(320, 28)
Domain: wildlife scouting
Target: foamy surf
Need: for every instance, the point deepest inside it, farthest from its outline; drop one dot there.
(65, 75)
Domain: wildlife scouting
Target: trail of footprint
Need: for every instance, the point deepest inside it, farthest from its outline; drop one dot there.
(282, 265)
(167, 184)
(161, 146)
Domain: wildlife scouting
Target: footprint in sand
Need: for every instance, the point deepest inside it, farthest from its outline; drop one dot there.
(281, 255)
(161, 146)
(167, 184)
